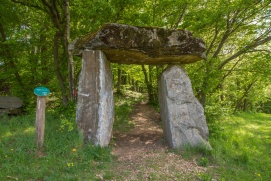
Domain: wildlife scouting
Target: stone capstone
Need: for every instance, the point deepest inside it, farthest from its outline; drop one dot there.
(143, 45)
(184, 123)
(94, 114)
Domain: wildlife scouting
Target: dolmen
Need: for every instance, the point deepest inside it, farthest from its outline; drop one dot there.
(184, 123)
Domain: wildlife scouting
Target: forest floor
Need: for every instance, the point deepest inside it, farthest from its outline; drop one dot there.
(142, 154)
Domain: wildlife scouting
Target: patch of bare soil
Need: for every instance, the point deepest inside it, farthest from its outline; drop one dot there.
(142, 154)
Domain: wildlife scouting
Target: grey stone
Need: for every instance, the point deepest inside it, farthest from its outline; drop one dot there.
(7, 102)
(95, 105)
(184, 123)
(143, 45)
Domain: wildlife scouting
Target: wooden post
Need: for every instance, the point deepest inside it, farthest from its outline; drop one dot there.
(41, 93)
(40, 120)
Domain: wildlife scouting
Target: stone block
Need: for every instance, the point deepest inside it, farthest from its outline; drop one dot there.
(143, 45)
(95, 105)
(184, 123)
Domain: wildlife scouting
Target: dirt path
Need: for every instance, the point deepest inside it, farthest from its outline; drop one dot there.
(146, 135)
(143, 155)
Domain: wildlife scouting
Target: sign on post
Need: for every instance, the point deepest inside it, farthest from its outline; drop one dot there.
(41, 93)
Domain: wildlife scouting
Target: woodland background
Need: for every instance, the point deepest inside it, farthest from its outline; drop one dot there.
(34, 38)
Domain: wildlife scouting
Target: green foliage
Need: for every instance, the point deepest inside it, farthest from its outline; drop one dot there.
(123, 109)
(236, 36)
(205, 177)
(202, 153)
(203, 161)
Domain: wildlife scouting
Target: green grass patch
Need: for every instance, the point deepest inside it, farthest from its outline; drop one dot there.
(63, 156)
(242, 147)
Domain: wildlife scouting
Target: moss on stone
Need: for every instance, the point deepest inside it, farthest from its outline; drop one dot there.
(144, 45)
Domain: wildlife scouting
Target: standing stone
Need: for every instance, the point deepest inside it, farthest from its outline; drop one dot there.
(184, 123)
(94, 114)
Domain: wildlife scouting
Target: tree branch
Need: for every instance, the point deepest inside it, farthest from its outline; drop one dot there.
(53, 13)
(213, 41)
(181, 16)
(30, 5)
(245, 50)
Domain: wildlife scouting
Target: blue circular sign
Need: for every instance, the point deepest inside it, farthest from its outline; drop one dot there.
(41, 91)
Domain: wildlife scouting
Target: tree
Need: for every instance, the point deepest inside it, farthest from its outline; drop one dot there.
(235, 33)
(237, 36)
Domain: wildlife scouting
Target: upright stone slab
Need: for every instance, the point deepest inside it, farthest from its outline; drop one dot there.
(184, 123)
(94, 114)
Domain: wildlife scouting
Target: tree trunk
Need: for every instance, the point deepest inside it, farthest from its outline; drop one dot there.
(239, 102)
(44, 60)
(149, 86)
(67, 52)
(119, 81)
(57, 68)
(245, 105)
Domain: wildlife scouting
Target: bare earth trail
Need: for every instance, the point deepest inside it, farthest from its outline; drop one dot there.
(142, 154)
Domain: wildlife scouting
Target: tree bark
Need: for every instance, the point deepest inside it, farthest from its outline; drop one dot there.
(57, 68)
(67, 52)
(149, 85)
(239, 102)
(119, 81)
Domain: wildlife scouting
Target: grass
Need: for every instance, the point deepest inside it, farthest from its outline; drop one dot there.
(62, 158)
(241, 148)
(123, 108)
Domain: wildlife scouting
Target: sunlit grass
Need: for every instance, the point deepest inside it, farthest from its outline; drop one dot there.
(123, 108)
(242, 147)
(63, 156)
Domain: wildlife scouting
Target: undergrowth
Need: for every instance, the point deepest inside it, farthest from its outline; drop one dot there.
(241, 147)
(123, 107)
(63, 156)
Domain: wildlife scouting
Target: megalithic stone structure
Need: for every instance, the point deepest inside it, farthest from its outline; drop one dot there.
(95, 105)
(184, 123)
(182, 115)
